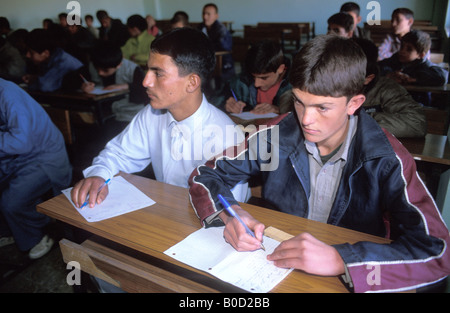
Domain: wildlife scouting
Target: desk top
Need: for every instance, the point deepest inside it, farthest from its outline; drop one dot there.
(154, 229)
(433, 148)
(74, 95)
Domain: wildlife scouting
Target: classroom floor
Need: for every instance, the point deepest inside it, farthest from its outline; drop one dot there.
(19, 274)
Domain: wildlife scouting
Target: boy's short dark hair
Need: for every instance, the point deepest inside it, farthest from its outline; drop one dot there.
(180, 16)
(137, 21)
(39, 40)
(190, 50)
(101, 14)
(420, 40)
(350, 7)
(405, 12)
(342, 19)
(264, 57)
(329, 66)
(211, 5)
(106, 55)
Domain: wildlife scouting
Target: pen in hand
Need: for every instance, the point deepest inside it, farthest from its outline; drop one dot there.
(99, 189)
(230, 210)
(236, 99)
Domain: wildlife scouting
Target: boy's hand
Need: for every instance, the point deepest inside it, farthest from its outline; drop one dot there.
(235, 233)
(264, 108)
(306, 253)
(89, 186)
(233, 106)
(87, 87)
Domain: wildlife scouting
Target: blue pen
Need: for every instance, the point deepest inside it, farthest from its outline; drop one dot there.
(234, 95)
(230, 210)
(99, 189)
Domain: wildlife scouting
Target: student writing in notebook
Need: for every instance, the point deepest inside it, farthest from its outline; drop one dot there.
(334, 165)
(178, 131)
(263, 86)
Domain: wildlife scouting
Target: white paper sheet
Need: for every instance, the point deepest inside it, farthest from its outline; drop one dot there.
(251, 116)
(206, 250)
(122, 198)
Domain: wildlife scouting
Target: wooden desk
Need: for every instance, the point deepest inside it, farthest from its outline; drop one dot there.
(135, 259)
(79, 101)
(443, 90)
(432, 148)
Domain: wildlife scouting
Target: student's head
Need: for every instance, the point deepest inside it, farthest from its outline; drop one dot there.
(371, 52)
(414, 45)
(354, 10)
(402, 21)
(265, 62)
(341, 24)
(103, 18)
(180, 63)
(5, 28)
(179, 19)
(63, 19)
(89, 19)
(210, 14)
(136, 25)
(106, 58)
(327, 76)
(40, 46)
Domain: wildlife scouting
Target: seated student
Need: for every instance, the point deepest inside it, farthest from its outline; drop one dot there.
(402, 22)
(354, 10)
(220, 37)
(5, 28)
(33, 161)
(137, 48)
(263, 86)
(89, 20)
(12, 64)
(388, 102)
(341, 24)
(152, 28)
(410, 66)
(80, 42)
(112, 30)
(179, 19)
(331, 162)
(109, 70)
(54, 64)
(179, 63)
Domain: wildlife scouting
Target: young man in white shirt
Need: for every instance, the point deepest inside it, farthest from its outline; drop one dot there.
(179, 131)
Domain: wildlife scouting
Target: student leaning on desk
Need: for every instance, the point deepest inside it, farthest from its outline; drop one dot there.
(334, 165)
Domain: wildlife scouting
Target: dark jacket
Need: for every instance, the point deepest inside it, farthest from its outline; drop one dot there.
(379, 193)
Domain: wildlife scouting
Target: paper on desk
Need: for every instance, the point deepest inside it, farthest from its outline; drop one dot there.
(251, 116)
(206, 250)
(123, 197)
(101, 91)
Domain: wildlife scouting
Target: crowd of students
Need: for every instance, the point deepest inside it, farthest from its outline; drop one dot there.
(334, 163)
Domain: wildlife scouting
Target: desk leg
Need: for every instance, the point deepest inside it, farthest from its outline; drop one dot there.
(443, 196)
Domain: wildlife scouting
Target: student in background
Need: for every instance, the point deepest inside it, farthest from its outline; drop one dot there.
(80, 42)
(5, 28)
(89, 20)
(53, 63)
(341, 24)
(137, 48)
(62, 18)
(354, 10)
(109, 70)
(112, 30)
(220, 37)
(402, 22)
(12, 64)
(388, 102)
(33, 161)
(170, 133)
(332, 163)
(263, 87)
(179, 19)
(152, 28)
(410, 66)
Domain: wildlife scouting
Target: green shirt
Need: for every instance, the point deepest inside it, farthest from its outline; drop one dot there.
(139, 47)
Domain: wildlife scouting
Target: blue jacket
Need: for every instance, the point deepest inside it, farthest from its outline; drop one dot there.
(380, 193)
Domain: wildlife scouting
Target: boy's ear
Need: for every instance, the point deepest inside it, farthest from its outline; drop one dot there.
(193, 83)
(355, 103)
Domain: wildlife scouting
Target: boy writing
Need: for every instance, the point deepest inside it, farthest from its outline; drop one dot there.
(337, 166)
(263, 87)
(178, 130)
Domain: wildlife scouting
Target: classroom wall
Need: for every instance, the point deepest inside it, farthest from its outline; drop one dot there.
(242, 12)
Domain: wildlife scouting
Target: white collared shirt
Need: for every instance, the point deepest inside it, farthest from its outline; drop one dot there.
(148, 139)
